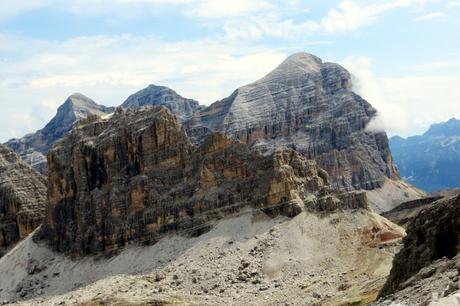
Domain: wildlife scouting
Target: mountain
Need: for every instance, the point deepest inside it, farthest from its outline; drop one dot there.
(160, 220)
(142, 178)
(226, 204)
(430, 161)
(182, 107)
(33, 147)
(22, 199)
(306, 105)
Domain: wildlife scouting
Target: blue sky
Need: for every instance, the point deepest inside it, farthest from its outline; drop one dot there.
(404, 54)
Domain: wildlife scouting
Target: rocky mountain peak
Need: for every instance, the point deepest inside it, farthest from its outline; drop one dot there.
(76, 107)
(33, 147)
(182, 107)
(297, 64)
(446, 129)
(79, 99)
(306, 105)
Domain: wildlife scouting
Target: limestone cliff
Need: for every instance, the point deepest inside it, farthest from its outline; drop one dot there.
(309, 106)
(137, 176)
(22, 199)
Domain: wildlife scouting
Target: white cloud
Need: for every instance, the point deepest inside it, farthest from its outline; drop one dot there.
(118, 8)
(225, 8)
(352, 15)
(426, 99)
(431, 16)
(454, 3)
(240, 19)
(121, 8)
(444, 65)
(132, 8)
(392, 116)
(12, 8)
(268, 25)
(406, 105)
(348, 17)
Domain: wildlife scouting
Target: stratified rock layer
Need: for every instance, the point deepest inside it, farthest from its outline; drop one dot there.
(136, 176)
(182, 107)
(308, 106)
(33, 148)
(432, 235)
(22, 199)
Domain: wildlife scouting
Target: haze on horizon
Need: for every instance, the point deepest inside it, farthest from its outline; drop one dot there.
(403, 53)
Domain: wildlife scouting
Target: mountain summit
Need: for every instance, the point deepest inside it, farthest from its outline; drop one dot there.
(76, 107)
(296, 65)
(182, 107)
(444, 129)
(309, 106)
(32, 148)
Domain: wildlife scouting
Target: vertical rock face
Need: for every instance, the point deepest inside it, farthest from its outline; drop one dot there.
(32, 148)
(22, 199)
(182, 107)
(137, 176)
(434, 234)
(306, 105)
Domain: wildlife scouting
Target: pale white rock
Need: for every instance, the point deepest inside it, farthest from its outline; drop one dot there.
(309, 106)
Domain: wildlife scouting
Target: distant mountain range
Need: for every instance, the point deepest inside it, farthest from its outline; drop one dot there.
(32, 148)
(430, 161)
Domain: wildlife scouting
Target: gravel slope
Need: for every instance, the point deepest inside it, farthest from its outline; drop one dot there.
(248, 259)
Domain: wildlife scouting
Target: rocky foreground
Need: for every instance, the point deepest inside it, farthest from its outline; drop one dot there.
(245, 259)
(428, 266)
